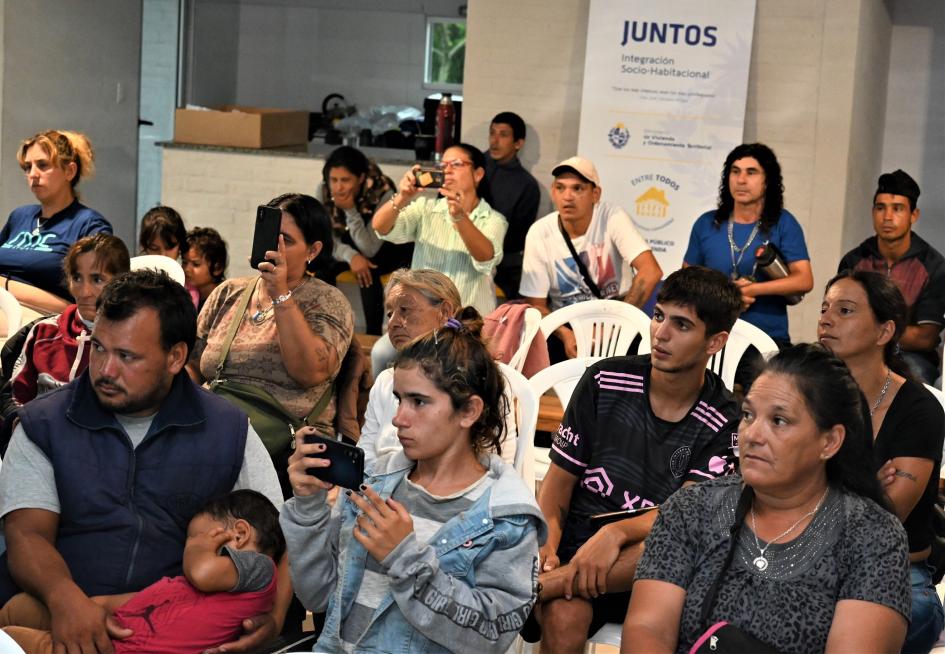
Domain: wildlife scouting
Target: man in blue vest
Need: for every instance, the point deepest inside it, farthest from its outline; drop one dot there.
(103, 475)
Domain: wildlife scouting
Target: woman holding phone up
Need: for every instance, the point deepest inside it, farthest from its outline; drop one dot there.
(458, 234)
(440, 530)
(293, 333)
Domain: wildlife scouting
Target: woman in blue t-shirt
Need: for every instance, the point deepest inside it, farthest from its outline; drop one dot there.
(37, 237)
(750, 214)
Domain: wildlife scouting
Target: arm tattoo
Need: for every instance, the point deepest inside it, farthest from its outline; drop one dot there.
(906, 475)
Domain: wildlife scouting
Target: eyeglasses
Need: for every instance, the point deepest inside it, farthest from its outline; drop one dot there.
(455, 164)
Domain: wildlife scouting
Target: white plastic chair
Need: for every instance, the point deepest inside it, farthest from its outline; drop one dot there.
(602, 328)
(562, 378)
(530, 326)
(159, 262)
(11, 308)
(940, 396)
(743, 334)
(526, 420)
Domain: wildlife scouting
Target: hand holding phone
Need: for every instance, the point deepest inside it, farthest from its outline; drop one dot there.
(346, 462)
(429, 177)
(266, 234)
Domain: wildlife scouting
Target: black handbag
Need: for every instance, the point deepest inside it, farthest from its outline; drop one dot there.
(722, 637)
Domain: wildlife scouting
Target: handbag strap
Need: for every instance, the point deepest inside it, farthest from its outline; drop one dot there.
(580, 264)
(235, 325)
(741, 510)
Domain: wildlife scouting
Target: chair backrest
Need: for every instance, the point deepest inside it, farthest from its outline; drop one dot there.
(602, 328)
(159, 262)
(743, 334)
(526, 419)
(561, 377)
(530, 326)
(11, 308)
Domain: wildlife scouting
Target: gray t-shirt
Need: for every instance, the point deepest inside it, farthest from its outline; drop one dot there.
(852, 549)
(27, 479)
(254, 571)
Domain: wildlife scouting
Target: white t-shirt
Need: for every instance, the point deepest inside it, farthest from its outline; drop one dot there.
(607, 248)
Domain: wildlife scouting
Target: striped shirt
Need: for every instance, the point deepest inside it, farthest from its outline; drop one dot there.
(427, 222)
(429, 513)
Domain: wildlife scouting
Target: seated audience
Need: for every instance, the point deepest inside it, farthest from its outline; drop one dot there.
(282, 332)
(636, 430)
(162, 232)
(751, 214)
(352, 189)
(56, 349)
(437, 551)
(458, 234)
(204, 262)
(799, 551)
(861, 319)
(36, 237)
(229, 572)
(916, 267)
(418, 303)
(103, 475)
(584, 251)
(515, 194)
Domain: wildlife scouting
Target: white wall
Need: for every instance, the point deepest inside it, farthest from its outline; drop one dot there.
(915, 108)
(292, 53)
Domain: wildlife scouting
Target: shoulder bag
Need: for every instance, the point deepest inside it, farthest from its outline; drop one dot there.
(275, 426)
(723, 637)
(580, 264)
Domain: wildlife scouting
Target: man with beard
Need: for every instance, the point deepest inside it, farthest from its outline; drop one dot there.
(636, 429)
(103, 475)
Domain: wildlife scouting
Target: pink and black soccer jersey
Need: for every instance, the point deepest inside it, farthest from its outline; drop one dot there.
(624, 456)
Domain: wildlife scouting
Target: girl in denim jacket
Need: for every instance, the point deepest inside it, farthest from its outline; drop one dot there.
(438, 551)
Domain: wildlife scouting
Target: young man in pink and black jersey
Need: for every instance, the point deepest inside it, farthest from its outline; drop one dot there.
(637, 429)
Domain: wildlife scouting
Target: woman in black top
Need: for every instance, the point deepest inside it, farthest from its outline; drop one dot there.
(862, 317)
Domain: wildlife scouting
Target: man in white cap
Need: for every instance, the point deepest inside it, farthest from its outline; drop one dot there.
(584, 250)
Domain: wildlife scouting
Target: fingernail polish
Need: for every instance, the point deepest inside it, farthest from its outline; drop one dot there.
(363, 487)
(348, 493)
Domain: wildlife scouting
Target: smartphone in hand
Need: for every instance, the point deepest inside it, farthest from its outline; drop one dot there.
(429, 177)
(266, 234)
(347, 462)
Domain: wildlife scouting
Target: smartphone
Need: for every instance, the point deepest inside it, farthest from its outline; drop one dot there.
(429, 177)
(347, 462)
(602, 519)
(266, 236)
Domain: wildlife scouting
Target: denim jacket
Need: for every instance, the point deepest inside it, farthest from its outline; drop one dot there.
(468, 590)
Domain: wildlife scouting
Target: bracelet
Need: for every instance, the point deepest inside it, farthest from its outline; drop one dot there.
(456, 219)
(393, 205)
(281, 299)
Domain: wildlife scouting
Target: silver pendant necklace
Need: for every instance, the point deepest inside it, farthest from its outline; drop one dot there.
(760, 562)
(734, 249)
(882, 393)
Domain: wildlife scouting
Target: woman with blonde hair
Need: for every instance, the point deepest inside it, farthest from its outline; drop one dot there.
(37, 237)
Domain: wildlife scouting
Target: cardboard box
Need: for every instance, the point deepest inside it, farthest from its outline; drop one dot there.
(241, 127)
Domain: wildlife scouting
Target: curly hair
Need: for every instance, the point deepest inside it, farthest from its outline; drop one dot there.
(211, 246)
(457, 361)
(774, 185)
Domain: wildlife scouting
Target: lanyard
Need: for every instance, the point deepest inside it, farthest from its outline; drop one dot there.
(733, 249)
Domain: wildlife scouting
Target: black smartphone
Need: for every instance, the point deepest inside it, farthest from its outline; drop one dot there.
(266, 236)
(429, 177)
(601, 519)
(347, 462)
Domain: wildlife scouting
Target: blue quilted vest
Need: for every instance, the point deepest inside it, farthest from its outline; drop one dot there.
(124, 513)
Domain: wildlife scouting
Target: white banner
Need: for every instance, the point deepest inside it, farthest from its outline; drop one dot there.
(663, 104)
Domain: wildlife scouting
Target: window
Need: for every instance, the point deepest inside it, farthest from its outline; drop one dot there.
(446, 54)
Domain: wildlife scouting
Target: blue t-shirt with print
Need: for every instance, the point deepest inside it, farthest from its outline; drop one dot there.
(33, 255)
(708, 246)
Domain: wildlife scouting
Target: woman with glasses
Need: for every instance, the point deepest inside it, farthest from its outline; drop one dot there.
(458, 233)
